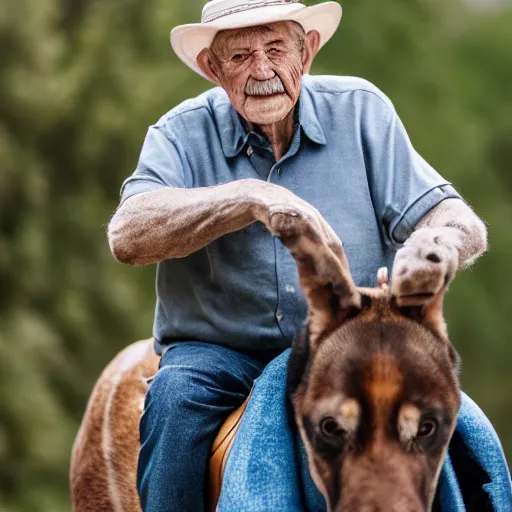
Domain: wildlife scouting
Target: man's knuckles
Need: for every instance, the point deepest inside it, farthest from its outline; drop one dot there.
(285, 223)
(291, 222)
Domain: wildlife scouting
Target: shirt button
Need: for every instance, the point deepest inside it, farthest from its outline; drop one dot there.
(250, 151)
(278, 170)
(279, 316)
(289, 288)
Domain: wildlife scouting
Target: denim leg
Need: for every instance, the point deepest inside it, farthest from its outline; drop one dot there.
(197, 386)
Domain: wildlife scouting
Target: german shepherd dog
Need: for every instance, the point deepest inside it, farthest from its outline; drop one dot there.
(373, 383)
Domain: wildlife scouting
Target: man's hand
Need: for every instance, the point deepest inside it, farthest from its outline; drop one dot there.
(449, 236)
(425, 265)
(274, 204)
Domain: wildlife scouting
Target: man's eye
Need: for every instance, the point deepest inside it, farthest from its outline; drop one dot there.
(273, 51)
(238, 57)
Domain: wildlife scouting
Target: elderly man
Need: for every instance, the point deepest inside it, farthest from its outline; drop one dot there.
(211, 174)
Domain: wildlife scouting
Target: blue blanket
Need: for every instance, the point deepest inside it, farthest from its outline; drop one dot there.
(267, 468)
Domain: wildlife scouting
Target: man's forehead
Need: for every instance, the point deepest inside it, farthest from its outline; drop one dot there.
(247, 34)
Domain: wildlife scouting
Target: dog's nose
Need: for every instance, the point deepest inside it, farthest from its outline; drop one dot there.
(381, 508)
(402, 503)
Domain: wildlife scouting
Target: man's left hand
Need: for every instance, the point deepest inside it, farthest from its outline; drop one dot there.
(425, 265)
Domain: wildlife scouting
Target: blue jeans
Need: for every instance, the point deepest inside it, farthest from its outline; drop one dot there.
(197, 386)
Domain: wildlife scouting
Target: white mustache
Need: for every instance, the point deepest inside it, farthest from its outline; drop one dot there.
(264, 88)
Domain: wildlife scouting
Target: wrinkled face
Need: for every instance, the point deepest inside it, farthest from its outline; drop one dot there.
(376, 410)
(260, 69)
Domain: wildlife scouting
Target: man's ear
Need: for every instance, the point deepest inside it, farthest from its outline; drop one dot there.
(207, 66)
(311, 47)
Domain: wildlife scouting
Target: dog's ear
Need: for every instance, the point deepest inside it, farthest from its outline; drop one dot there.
(324, 275)
(429, 314)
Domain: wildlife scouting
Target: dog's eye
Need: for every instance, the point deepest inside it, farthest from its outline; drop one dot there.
(330, 427)
(427, 428)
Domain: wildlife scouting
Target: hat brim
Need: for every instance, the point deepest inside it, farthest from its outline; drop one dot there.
(188, 41)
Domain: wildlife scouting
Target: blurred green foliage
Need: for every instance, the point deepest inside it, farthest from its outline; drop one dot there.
(80, 81)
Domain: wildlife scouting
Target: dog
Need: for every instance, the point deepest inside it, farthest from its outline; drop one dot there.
(373, 383)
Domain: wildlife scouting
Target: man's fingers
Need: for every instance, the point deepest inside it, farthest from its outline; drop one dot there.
(423, 268)
(308, 244)
(289, 224)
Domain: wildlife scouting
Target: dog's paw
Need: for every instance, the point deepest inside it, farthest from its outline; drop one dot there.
(423, 268)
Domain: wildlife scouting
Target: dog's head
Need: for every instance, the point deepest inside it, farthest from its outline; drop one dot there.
(374, 389)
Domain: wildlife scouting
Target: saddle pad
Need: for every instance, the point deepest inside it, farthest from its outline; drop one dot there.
(220, 452)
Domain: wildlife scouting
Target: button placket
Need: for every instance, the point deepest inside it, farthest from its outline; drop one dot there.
(275, 168)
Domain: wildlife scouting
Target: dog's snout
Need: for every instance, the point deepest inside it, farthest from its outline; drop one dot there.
(401, 503)
(392, 493)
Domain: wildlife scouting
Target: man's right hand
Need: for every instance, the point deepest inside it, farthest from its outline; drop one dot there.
(272, 200)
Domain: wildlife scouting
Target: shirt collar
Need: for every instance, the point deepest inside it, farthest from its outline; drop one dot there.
(234, 135)
(308, 118)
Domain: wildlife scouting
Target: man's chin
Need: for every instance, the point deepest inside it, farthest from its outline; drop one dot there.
(265, 110)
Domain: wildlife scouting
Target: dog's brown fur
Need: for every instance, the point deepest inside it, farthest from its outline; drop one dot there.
(104, 458)
(366, 378)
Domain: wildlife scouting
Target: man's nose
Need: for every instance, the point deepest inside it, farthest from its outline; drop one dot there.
(261, 68)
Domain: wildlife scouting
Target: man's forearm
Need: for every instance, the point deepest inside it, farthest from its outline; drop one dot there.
(173, 223)
(462, 228)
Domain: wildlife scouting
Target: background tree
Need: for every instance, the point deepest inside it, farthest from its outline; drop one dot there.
(80, 81)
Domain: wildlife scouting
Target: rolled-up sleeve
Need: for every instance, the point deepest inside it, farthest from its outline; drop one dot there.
(404, 187)
(160, 164)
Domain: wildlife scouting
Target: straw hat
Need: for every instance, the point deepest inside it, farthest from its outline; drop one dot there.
(188, 40)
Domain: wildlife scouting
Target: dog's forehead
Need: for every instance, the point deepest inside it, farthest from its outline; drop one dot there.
(384, 352)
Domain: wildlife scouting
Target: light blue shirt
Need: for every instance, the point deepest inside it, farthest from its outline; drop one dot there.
(350, 157)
